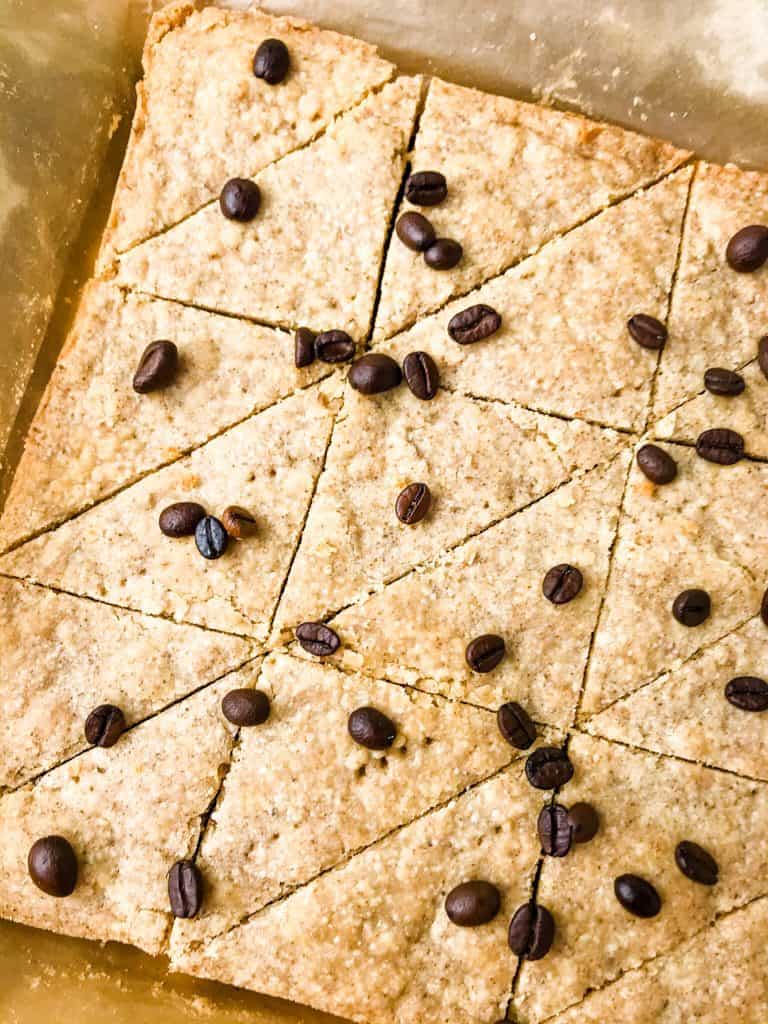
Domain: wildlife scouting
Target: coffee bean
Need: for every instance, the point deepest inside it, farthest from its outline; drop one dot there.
(238, 522)
(211, 537)
(443, 254)
(692, 607)
(185, 889)
(554, 830)
(105, 725)
(415, 231)
(240, 199)
(531, 932)
(762, 354)
(476, 323)
(373, 373)
(334, 347)
(658, 465)
(720, 445)
(157, 367)
(515, 725)
(245, 707)
(637, 896)
(317, 638)
(723, 382)
(371, 728)
(181, 518)
(303, 347)
(647, 331)
(548, 768)
(426, 188)
(421, 375)
(584, 822)
(695, 863)
(748, 248)
(272, 61)
(485, 652)
(413, 503)
(472, 903)
(52, 866)
(562, 583)
(764, 608)
(748, 693)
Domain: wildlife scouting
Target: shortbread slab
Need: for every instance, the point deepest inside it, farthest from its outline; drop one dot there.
(518, 175)
(311, 256)
(228, 370)
(563, 346)
(115, 551)
(203, 117)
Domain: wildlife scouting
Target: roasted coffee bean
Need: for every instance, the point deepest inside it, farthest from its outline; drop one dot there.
(637, 896)
(371, 728)
(720, 445)
(105, 725)
(692, 607)
(748, 249)
(185, 889)
(272, 61)
(548, 768)
(181, 518)
(317, 638)
(334, 347)
(515, 725)
(415, 231)
(531, 932)
(211, 537)
(764, 608)
(245, 707)
(762, 354)
(426, 188)
(474, 324)
(695, 863)
(52, 866)
(157, 367)
(647, 331)
(373, 373)
(303, 347)
(562, 583)
(485, 652)
(658, 465)
(554, 830)
(719, 381)
(584, 822)
(472, 903)
(413, 503)
(748, 693)
(240, 199)
(238, 522)
(443, 254)
(421, 375)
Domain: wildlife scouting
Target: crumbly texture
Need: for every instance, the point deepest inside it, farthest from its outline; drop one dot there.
(311, 255)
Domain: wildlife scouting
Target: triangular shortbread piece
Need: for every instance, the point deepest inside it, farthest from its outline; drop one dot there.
(416, 630)
(312, 254)
(481, 461)
(379, 921)
(647, 805)
(228, 370)
(63, 656)
(116, 552)
(563, 346)
(717, 315)
(203, 117)
(518, 174)
(698, 532)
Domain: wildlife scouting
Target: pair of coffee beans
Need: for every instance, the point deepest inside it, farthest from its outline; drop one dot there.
(475, 903)
(331, 347)
(559, 827)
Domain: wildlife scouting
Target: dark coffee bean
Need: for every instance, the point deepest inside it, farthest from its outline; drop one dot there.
(211, 537)
(238, 522)
(105, 725)
(443, 254)
(485, 652)
(764, 608)
(637, 896)
(692, 607)
(762, 355)
(334, 347)
(720, 445)
(562, 583)
(52, 866)
(181, 518)
(303, 347)
(696, 863)
(748, 249)
(723, 382)
(748, 693)
(413, 503)
(415, 231)
(421, 374)
(373, 373)
(245, 707)
(548, 768)
(185, 889)
(476, 323)
(240, 199)
(554, 830)
(272, 61)
(317, 638)
(157, 367)
(371, 728)
(426, 188)
(472, 903)
(515, 725)
(584, 822)
(531, 932)
(658, 465)
(647, 331)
